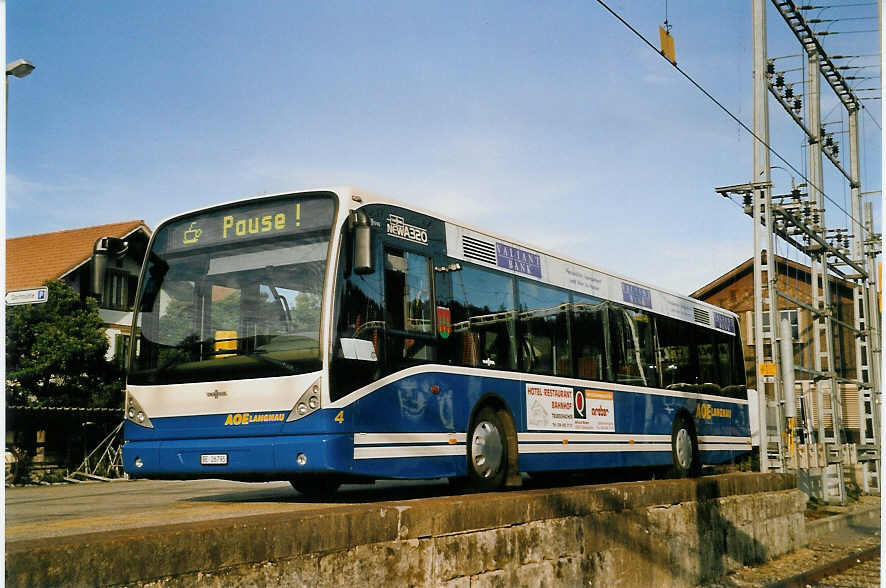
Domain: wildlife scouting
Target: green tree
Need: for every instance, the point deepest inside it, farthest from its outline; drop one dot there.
(307, 312)
(55, 353)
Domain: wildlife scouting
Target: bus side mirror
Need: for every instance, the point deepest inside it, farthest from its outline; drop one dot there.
(104, 248)
(362, 253)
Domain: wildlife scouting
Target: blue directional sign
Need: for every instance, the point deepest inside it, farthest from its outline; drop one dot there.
(31, 296)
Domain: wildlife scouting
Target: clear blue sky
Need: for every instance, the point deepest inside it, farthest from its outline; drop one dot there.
(549, 122)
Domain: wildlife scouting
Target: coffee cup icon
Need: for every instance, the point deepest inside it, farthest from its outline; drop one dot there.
(192, 234)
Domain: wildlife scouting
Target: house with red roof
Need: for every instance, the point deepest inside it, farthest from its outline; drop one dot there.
(33, 260)
(58, 438)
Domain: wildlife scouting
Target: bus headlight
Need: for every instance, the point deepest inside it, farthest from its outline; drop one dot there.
(306, 404)
(136, 414)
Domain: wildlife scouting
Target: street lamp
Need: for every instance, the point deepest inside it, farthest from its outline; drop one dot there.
(18, 68)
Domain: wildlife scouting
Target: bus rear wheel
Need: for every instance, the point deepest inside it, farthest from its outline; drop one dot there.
(684, 448)
(316, 486)
(487, 451)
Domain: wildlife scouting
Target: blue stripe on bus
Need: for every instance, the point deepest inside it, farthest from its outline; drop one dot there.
(408, 405)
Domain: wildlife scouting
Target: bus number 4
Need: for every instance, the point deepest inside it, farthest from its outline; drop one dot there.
(340, 417)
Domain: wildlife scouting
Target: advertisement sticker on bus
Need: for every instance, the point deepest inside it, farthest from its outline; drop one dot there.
(724, 322)
(518, 260)
(597, 411)
(548, 407)
(566, 409)
(636, 295)
(444, 322)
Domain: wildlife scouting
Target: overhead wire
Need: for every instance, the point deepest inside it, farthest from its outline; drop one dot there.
(838, 6)
(826, 33)
(728, 112)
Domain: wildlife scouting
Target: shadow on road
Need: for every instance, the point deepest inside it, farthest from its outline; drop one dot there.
(397, 490)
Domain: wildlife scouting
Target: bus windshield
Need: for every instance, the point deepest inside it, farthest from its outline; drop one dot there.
(234, 293)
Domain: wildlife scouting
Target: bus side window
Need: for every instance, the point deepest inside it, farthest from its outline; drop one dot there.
(707, 361)
(408, 307)
(632, 345)
(731, 365)
(483, 318)
(738, 366)
(358, 344)
(676, 355)
(589, 328)
(543, 318)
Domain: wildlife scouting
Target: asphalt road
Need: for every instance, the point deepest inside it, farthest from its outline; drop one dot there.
(36, 512)
(69, 509)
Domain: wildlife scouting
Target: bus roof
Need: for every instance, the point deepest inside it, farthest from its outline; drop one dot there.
(366, 197)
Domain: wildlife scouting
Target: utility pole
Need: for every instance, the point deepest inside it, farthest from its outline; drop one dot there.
(762, 211)
(823, 327)
(869, 400)
(873, 247)
(799, 221)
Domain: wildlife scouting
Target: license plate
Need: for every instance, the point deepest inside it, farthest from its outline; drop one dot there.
(214, 459)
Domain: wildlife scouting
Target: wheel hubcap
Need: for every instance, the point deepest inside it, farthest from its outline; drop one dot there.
(684, 449)
(486, 449)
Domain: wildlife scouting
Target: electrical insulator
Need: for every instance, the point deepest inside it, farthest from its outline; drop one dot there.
(798, 105)
(770, 68)
(835, 149)
(828, 141)
(795, 193)
(747, 199)
(789, 92)
(779, 80)
(845, 243)
(815, 219)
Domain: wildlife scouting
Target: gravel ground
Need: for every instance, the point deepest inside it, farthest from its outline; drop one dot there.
(802, 560)
(827, 549)
(864, 575)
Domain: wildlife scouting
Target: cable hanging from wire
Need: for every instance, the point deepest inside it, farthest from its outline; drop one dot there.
(701, 89)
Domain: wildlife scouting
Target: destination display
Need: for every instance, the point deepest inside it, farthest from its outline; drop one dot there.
(273, 218)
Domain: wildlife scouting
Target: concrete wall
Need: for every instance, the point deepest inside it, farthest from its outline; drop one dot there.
(663, 533)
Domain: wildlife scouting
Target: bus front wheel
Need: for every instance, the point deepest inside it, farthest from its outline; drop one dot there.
(487, 451)
(684, 448)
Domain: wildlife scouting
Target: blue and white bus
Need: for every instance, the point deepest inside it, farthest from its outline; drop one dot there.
(334, 336)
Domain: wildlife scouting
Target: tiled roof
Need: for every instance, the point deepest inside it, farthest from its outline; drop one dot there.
(784, 266)
(35, 259)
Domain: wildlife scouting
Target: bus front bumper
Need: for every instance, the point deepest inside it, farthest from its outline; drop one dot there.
(242, 458)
